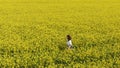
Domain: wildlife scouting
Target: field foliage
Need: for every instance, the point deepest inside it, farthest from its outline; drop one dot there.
(33, 33)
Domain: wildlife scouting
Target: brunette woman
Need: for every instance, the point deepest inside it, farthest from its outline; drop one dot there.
(69, 41)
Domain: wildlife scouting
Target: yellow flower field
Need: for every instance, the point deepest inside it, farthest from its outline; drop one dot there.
(33, 33)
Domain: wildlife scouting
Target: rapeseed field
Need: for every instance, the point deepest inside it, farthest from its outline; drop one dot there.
(33, 33)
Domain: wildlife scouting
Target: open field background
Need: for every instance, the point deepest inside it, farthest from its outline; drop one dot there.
(33, 33)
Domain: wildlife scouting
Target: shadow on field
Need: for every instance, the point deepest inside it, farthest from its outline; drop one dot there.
(62, 46)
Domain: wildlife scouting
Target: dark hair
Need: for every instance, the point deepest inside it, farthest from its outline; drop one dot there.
(69, 37)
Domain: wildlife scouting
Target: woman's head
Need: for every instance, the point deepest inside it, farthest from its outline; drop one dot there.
(68, 37)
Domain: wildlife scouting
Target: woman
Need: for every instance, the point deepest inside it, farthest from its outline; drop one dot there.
(69, 42)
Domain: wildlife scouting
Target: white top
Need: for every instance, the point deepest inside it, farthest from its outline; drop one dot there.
(69, 43)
